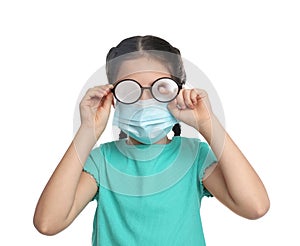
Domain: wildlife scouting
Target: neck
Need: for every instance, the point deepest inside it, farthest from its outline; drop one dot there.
(132, 141)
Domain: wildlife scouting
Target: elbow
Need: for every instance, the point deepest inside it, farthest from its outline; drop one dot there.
(44, 227)
(259, 210)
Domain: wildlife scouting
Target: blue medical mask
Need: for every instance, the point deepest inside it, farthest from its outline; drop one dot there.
(147, 121)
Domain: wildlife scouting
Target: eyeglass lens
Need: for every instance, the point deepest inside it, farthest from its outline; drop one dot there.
(127, 91)
(130, 91)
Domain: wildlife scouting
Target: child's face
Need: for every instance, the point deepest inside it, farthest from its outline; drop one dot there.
(145, 71)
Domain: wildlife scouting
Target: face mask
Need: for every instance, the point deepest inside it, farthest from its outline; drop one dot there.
(147, 121)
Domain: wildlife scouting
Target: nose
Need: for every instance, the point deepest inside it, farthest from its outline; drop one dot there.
(146, 94)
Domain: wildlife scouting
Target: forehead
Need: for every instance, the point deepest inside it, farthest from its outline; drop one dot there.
(142, 66)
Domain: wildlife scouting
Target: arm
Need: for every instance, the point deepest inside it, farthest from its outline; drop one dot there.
(70, 189)
(67, 192)
(233, 181)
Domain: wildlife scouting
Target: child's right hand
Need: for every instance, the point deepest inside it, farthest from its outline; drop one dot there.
(95, 108)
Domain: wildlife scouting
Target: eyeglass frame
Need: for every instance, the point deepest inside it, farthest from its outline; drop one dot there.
(148, 87)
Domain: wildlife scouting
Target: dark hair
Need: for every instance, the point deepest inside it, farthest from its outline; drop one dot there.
(152, 46)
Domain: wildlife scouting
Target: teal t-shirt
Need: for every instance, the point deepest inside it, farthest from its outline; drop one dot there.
(149, 194)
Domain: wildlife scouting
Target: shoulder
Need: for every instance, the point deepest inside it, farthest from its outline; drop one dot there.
(202, 150)
(105, 146)
(195, 143)
(199, 149)
(97, 157)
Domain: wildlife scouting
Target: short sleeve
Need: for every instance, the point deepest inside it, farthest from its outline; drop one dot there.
(206, 159)
(92, 164)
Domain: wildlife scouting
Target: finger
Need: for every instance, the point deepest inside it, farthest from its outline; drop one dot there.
(172, 105)
(173, 108)
(107, 101)
(96, 92)
(92, 93)
(180, 100)
(202, 94)
(187, 98)
(203, 98)
(194, 96)
(106, 87)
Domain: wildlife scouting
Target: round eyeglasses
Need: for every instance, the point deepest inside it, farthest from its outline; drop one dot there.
(129, 91)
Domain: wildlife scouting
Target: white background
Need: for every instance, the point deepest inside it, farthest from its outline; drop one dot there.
(249, 50)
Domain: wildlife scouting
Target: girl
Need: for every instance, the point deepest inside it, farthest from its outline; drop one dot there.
(148, 187)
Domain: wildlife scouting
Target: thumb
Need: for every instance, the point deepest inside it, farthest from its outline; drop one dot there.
(108, 100)
(172, 106)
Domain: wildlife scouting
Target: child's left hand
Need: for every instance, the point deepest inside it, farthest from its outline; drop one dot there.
(192, 107)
